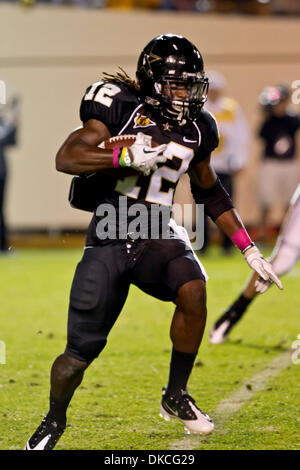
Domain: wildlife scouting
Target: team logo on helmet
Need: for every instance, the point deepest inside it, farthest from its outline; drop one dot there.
(148, 59)
(142, 121)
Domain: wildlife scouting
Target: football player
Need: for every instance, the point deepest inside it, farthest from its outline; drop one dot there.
(285, 255)
(166, 103)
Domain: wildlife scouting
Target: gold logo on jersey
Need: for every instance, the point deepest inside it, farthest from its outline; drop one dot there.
(143, 121)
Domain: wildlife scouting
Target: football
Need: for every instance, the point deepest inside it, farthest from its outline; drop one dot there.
(125, 140)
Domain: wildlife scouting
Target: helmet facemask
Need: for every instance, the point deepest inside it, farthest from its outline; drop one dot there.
(181, 97)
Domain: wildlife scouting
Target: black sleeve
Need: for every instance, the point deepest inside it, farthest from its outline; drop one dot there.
(110, 103)
(216, 200)
(209, 135)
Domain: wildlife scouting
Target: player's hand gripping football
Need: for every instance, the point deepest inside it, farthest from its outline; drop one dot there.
(257, 262)
(144, 157)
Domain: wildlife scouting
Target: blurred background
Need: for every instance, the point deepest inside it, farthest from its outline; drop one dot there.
(51, 51)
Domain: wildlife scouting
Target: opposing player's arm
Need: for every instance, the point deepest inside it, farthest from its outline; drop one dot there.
(80, 153)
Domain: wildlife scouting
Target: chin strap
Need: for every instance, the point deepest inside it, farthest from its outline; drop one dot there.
(166, 112)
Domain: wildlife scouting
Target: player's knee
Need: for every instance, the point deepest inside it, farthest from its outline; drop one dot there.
(67, 367)
(86, 348)
(90, 349)
(192, 299)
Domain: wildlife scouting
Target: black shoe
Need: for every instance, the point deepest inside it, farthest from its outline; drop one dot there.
(46, 435)
(221, 329)
(182, 406)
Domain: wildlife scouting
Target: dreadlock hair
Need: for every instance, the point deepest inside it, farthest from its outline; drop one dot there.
(121, 77)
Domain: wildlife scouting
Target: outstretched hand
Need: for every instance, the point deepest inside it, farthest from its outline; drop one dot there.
(265, 270)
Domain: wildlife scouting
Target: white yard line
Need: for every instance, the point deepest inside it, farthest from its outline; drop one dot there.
(231, 405)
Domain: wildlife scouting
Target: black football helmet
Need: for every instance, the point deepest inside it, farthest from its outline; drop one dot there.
(166, 63)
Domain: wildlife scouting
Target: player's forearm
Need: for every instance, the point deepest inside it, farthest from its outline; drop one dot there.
(83, 158)
(229, 222)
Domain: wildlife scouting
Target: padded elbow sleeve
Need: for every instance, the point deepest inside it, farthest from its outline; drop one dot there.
(216, 200)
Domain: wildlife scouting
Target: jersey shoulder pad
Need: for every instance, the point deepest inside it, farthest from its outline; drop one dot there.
(108, 102)
(207, 119)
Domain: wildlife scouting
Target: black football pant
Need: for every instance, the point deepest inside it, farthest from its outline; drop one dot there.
(102, 279)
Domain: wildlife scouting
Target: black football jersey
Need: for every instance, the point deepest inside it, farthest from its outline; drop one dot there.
(279, 136)
(123, 112)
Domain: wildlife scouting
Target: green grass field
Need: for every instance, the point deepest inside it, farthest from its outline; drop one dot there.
(116, 407)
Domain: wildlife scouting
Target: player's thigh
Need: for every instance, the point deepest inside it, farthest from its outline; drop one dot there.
(99, 290)
(165, 267)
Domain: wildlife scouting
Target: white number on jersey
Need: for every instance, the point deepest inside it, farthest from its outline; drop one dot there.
(104, 94)
(128, 186)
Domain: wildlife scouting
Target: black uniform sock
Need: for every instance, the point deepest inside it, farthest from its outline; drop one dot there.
(180, 369)
(58, 410)
(235, 312)
(240, 306)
